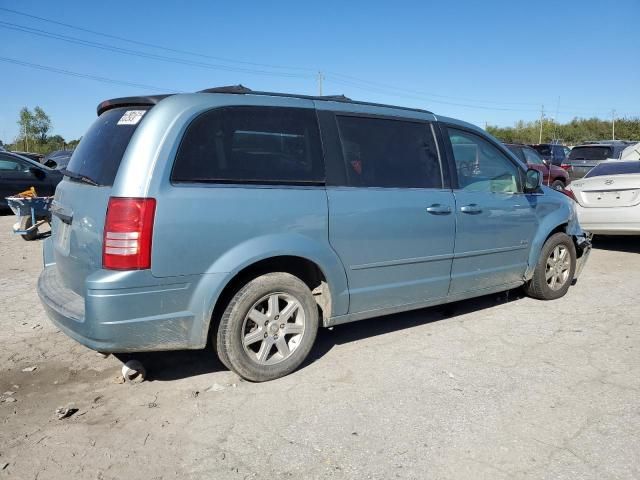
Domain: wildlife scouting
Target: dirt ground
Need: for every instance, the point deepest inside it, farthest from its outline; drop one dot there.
(501, 387)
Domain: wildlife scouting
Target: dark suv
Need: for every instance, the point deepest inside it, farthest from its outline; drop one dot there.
(551, 152)
(552, 175)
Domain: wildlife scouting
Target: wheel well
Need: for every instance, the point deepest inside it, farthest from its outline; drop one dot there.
(559, 229)
(304, 269)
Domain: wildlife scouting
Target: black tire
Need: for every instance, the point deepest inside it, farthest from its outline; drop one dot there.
(558, 185)
(538, 287)
(25, 223)
(233, 327)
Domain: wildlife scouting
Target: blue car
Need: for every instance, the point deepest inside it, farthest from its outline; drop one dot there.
(251, 219)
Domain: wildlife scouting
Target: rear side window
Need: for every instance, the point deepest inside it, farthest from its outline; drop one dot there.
(100, 151)
(531, 156)
(544, 150)
(251, 145)
(517, 151)
(389, 153)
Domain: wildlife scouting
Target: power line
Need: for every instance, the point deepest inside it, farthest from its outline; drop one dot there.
(137, 53)
(85, 75)
(152, 45)
(339, 76)
(424, 99)
(418, 92)
(334, 77)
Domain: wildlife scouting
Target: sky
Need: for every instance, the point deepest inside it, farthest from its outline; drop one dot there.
(492, 62)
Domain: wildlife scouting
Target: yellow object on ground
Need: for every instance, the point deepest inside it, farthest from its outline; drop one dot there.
(28, 193)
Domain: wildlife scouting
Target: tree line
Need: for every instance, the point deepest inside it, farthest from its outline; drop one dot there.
(33, 135)
(574, 132)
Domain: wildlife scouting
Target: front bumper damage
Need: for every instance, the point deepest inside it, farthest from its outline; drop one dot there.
(583, 250)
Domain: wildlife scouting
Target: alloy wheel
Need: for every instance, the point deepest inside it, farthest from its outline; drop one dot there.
(558, 267)
(273, 328)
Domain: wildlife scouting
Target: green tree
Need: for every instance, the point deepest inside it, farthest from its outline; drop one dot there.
(41, 124)
(26, 123)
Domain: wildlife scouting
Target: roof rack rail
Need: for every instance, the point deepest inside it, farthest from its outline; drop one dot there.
(242, 90)
(228, 89)
(150, 100)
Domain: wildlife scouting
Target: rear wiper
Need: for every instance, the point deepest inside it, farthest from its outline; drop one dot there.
(77, 176)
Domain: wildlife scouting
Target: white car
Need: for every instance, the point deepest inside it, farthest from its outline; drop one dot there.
(608, 198)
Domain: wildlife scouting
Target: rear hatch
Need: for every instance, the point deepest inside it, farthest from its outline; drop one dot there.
(583, 158)
(608, 191)
(81, 199)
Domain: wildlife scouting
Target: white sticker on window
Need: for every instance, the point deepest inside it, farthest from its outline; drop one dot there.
(131, 117)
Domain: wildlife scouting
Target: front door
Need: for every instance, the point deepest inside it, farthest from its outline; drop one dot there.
(495, 221)
(391, 219)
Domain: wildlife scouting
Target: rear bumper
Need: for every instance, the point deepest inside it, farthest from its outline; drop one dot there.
(114, 317)
(611, 220)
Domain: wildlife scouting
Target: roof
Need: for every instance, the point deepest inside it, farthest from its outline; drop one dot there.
(151, 100)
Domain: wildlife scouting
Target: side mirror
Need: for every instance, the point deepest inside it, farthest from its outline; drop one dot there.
(36, 172)
(532, 181)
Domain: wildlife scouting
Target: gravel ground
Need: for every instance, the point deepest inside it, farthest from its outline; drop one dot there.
(500, 387)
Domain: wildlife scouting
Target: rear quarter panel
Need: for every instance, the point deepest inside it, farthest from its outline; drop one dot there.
(202, 229)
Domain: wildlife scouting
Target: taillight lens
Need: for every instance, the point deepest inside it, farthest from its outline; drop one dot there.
(128, 230)
(569, 193)
(566, 166)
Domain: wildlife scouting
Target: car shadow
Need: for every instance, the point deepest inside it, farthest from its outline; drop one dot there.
(174, 365)
(619, 243)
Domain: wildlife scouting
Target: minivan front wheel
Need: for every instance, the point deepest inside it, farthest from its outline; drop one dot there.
(555, 269)
(268, 328)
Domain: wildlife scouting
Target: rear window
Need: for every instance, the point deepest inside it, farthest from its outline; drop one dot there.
(617, 168)
(251, 145)
(99, 153)
(542, 149)
(591, 153)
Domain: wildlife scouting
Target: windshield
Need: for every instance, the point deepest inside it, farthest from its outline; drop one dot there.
(591, 153)
(100, 151)
(617, 168)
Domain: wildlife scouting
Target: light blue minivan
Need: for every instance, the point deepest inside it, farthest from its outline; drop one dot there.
(250, 219)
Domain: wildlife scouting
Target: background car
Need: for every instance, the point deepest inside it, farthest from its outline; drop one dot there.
(37, 157)
(552, 175)
(608, 198)
(553, 153)
(58, 159)
(18, 174)
(586, 156)
(632, 152)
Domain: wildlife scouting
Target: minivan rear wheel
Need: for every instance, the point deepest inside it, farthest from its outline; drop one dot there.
(558, 185)
(555, 269)
(268, 328)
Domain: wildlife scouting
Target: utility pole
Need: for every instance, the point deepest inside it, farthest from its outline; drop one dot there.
(541, 120)
(613, 124)
(320, 78)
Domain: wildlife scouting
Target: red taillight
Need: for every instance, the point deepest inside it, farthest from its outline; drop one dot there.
(128, 229)
(569, 193)
(566, 166)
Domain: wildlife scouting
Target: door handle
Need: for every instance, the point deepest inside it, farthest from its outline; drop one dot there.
(437, 209)
(472, 209)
